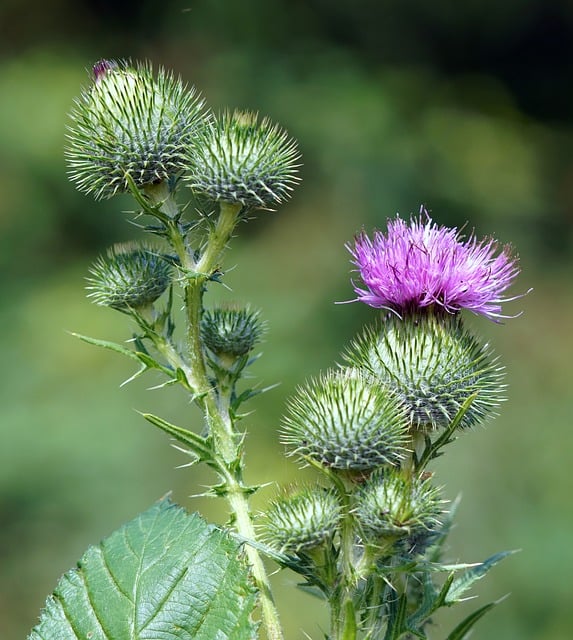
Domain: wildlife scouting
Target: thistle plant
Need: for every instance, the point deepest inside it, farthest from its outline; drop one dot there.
(369, 534)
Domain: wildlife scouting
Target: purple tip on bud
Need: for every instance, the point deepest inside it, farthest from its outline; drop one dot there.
(101, 67)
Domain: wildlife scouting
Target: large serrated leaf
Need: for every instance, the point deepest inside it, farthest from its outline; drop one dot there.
(166, 575)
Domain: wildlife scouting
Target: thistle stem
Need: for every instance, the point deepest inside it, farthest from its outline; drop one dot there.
(343, 614)
(215, 403)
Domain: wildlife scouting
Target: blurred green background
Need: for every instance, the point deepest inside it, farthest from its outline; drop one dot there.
(466, 107)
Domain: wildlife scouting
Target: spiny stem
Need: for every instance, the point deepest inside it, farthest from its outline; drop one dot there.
(343, 621)
(215, 406)
(244, 524)
(219, 236)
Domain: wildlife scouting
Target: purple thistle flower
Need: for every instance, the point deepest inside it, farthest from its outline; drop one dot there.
(423, 264)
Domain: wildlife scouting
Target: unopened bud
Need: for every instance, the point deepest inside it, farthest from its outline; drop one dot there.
(303, 520)
(238, 160)
(130, 123)
(434, 365)
(129, 277)
(231, 332)
(392, 505)
(344, 421)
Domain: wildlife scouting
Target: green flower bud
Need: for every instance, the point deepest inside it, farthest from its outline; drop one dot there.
(434, 365)
(231, 332)
(302, 521)
(392, 505)
(131, 276)
(241, 161)
(130, 123)
(344, 421)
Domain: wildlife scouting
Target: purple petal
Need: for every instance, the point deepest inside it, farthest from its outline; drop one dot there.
(422, 264)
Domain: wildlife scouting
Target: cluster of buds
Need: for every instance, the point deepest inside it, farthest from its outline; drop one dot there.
(133, 129)
(144, 133)
(409, 383)
(132, 125)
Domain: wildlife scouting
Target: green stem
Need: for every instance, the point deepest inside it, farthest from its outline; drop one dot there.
(161, 196)
(343, 614)
(215, 403)
(219, 236)
(221, 427)
(244, 524)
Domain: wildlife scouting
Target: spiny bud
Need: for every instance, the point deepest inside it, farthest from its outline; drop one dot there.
(231, 332)
(242, 161)
(344, 421)
(392, 505)
(434, 365)
(131, 276)
(129, 122)
(303, 520)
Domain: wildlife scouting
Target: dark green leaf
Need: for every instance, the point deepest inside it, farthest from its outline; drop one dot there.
(432, 600)
(462, 630)
(166, 575)
(464, 582)
(147, 361)
(434, 554)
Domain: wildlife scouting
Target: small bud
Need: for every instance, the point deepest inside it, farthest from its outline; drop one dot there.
(231, 332)
(130, 123)
(303, 520)
(391, 505)
(129, 277)
(434, 365)
(344, 421)
(241, 161)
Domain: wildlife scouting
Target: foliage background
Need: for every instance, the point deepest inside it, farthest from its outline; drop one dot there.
(465, 107)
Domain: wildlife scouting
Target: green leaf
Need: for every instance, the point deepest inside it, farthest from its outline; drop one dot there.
(397, 606)
(112, 346)
(435, 552)
(146, 361)
(464, 582)
(166, 575)
(199, 445)
(462, 630)
(432, 600)
(432, 449)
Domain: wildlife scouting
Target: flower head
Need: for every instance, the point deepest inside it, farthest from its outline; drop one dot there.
(131, 276)
(239, 159)
(130, 122)
(433, 365)
(302, 520)
(422, 264)
(344, 421)
(392, 505)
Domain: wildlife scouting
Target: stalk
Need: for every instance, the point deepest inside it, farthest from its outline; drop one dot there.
(343, 614)
(216, 405)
